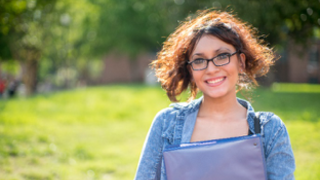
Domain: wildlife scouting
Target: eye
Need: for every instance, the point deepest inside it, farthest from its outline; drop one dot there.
(198, 61)
(223, 56)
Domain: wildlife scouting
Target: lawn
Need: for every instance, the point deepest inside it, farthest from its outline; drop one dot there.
(98, 132)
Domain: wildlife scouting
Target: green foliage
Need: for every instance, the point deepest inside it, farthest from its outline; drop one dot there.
(49, 34)
(97, 133)
(131, 27)
(22, 25)
(10, 67)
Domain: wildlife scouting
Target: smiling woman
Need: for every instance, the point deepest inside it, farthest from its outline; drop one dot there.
(219, 55)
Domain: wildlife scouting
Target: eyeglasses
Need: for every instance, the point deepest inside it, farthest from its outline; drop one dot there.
(220, 60)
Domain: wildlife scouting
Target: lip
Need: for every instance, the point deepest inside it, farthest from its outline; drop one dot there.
(223, 78)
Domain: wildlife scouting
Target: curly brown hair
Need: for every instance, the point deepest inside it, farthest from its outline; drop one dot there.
(171, 65)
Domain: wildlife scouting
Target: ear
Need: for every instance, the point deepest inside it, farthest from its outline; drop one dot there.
(242, 61)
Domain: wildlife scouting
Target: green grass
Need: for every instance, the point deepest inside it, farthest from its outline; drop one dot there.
(296, 88)
(98, 132)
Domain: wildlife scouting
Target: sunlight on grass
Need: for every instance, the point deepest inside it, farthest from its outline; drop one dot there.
(98, 132)
(295, 88)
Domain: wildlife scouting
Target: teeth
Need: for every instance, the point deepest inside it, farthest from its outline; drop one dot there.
(215, 81)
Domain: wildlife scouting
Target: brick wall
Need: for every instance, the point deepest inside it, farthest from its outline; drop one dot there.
(301, 69)
(120, 68)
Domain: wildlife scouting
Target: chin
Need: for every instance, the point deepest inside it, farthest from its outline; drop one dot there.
(215, 95)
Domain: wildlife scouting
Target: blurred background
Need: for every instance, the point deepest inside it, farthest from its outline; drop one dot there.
(77, 95)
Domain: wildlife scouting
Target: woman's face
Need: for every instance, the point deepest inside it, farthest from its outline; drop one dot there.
(216, 81)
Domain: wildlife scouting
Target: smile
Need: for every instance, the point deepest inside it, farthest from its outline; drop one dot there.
(215, 81)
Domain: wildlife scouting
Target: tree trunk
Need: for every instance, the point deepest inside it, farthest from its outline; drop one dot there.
(30, 77)
(30, 66)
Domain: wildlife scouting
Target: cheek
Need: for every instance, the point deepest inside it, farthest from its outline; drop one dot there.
(234, 68)
(232, 72)
(196, 76)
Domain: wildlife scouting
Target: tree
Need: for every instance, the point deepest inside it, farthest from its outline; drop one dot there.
(22, 34)
(281, 20)
(45, 32)
(133, 26)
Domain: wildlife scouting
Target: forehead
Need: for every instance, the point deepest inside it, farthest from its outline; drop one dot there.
(210, 44)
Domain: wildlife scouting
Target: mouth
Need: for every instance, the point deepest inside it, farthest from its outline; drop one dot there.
(215, 81)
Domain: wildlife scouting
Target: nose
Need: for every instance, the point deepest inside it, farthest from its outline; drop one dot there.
(211, 67)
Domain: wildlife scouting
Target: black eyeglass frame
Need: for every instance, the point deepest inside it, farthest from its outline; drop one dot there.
(208, 60)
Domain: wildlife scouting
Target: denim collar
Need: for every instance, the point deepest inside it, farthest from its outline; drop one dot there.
(189, 112)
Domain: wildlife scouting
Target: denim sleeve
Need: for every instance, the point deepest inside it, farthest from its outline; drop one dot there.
(151, 155)
(279, 155)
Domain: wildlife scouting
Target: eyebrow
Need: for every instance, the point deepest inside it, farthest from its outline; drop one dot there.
(216, 51)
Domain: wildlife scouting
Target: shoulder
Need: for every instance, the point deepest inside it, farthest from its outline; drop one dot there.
(187, 107)
(166, 114)
(180, 109)
(270, 120)
(163, 117)
(175, 111)
(166, 117)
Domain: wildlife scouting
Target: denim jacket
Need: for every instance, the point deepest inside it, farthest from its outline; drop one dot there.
(174, 125)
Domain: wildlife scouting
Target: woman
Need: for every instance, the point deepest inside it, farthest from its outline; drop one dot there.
(219, 55)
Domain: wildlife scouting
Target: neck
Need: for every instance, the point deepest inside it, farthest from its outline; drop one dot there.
(224, 106)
